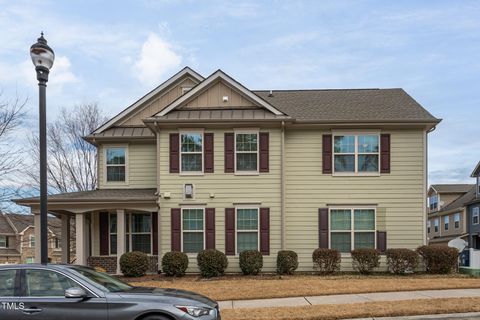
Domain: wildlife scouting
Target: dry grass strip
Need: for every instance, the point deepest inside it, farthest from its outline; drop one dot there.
(357, 310)
(240, 288)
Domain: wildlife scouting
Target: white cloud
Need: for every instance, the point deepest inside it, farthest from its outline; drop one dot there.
(157, 58)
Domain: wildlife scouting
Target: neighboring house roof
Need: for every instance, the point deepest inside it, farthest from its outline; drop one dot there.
(460, 201)
(476, 171)
(452, 188)
(24, 221)
(446, 238)
(119, 195)
(9, 252)
(348, 105)
(5, 227)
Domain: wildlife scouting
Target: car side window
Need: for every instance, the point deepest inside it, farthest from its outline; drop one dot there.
(7, 283)
(46, 283)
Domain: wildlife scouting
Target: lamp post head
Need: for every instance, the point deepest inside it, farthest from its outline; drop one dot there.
(42, 57)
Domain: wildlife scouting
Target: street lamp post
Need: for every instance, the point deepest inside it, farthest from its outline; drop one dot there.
(42, 57)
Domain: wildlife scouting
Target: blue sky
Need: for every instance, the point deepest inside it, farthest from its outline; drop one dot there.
(113, 52)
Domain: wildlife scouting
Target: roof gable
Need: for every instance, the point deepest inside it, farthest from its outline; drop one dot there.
(476, 171)
(209, 95)
(186, 76)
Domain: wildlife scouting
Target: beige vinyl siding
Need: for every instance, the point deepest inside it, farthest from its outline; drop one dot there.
(141, 166)
(160, 102)
(398, 195)
(262, 190)
(213, 98)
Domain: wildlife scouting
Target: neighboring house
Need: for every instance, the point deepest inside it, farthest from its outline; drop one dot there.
(447, 213)
(18, 242)
(473, 209)
(207, 163)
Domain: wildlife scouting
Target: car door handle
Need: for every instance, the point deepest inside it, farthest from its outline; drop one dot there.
(32, 310)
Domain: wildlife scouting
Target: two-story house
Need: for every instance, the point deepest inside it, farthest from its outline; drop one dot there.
(473, 210)
(17, 238)
(447, 213)
(207, 163)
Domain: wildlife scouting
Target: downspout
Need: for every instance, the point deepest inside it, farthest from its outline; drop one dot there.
(425, 185)
(282, 186)
(159, 220)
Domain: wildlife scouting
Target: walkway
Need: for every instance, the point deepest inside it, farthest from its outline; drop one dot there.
(350, 298)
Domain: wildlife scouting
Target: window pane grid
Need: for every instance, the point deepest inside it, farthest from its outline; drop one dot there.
(247, 229)
(356, 153)
(191, 152)
(246, 149)
(193, 230)
(352, 229)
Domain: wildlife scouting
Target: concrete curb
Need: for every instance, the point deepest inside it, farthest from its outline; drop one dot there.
(472, 315)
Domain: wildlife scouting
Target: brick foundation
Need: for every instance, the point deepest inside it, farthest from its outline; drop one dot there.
(109, 263)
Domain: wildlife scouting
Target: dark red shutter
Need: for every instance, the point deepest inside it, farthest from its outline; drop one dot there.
(323, 228)
(385, 153)
(104, 234)
(229, 152)
(264, 151)
(155, 232)
(174, 153)
(381, 241)
(265, 231)
(210, 228)
(176, 229)
(230, 231)
(327, 153)
(208, 152)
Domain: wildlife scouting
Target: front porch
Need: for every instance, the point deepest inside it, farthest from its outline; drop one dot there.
(108, 223)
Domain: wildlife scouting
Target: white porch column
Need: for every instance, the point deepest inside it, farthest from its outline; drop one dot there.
(65, 240)
(120, 237)
(80, 243)
(36, 225)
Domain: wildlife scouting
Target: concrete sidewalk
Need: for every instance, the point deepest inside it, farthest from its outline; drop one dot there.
(349, 298)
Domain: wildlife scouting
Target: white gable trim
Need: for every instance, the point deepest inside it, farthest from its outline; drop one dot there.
(149, 95)
(473, 175)
(219, 74)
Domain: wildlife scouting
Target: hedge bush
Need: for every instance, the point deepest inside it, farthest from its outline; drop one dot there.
(174, 263)
(134, 264)
(400, 261)
(439, 258)
(212, 263)
(365, 260)
(326, 261)
(251, 262)
(287, 262)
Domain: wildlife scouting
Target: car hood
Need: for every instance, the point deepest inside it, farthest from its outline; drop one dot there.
(168, 292)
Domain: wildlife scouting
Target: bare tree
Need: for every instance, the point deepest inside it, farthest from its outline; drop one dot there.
(71, 161)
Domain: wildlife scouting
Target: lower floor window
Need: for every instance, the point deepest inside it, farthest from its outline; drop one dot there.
(193, 230)
(138, 232)
(352, 229)
(247, 229)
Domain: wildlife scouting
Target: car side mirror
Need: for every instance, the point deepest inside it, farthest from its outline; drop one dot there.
(75, 293)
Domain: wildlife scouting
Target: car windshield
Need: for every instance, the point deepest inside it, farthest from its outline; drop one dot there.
(102, 280)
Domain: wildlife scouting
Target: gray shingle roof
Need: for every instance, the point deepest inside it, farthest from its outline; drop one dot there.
(5, 227)
(352, 105)
(22, 221)
(9, 252)
(452, 188)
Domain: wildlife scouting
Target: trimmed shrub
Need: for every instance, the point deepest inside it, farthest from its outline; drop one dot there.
(174, 263)
(287, 262)
(326, 261)
(400, 261)
(134, 264)
(365, 260)
(212, 263)
(251, 262)
(439, 258)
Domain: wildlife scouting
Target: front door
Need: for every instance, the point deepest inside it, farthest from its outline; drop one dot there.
(44, 298)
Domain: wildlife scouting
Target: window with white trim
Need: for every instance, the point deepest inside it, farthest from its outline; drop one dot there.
(456, 220)
(446, 222)
(246, 152)
(31, 242)
(433, 202)
(115, 161)
(436, 224)
(3, 242)
(193, 230)
(475, 214)
(247, 229)
(429, 226)
(139, 232)
(356, 153)
(30, 260)
(352, 229)
(191, 152)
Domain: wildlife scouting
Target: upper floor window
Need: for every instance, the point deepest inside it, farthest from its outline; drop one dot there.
(246, 152)
(478, 186)
(436, 225)
(352, 229)
(116, 164)
(356, 153)
(475, 214)
(32, 241)
(193, 226)
(433, 202)
(429, 226)
(191, 152)
(456, 220)
(247, 229)
(3, 242)
(446, 222)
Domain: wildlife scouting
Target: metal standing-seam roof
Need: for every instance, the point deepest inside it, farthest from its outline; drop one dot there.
(220, 114)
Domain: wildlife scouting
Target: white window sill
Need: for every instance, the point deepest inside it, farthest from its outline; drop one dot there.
(247, 173)
(187, 174)
(348, 174)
